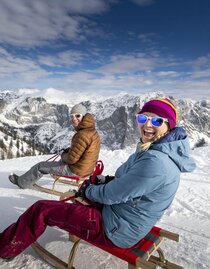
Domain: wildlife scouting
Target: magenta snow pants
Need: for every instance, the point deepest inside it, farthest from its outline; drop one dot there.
(77, 219)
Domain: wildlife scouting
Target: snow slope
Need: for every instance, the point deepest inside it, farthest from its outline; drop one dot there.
(189, 216)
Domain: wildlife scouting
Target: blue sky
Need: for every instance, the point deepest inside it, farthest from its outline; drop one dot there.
(106, 46)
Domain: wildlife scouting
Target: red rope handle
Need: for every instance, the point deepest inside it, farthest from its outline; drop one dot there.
(98, 171)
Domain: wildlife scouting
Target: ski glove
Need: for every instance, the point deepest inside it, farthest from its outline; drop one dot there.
(100, 179)
(82, 189)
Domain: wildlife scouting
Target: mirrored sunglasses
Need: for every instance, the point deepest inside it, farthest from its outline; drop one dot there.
(77, 116)
(155, 121)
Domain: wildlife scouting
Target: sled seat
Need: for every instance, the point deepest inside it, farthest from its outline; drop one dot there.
(78, 180)
(71, 180)
(138, 257)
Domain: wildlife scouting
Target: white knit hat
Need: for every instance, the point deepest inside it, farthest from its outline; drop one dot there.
(80, 109)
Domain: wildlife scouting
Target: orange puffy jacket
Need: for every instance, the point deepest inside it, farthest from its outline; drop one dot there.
(85, 146)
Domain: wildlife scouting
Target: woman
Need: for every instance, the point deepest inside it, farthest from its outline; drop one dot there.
(79, 159)
(128, 204)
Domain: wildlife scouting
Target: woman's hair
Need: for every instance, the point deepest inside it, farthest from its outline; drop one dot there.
(146, 146)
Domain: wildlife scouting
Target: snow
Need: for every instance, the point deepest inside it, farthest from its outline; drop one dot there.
(189, 216)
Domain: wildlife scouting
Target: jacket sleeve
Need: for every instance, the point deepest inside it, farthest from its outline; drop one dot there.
(143, 177)
(79, 145)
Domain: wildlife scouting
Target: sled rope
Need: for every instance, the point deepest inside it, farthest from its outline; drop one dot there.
(98, 171)
(53, 158)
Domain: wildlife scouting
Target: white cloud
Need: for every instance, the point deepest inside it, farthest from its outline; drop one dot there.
(10, 65)
(131, 73)
(128, 63)
(201, 61)
(188, 88)
(29, 91)
(66, 58)
(16, 72)
(33, 23)
(167, 74)
(205, 73)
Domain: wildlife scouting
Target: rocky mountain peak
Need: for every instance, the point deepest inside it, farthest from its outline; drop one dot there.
(47, 124)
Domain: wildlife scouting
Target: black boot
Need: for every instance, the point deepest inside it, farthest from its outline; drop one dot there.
(13, 178)
(6, 259)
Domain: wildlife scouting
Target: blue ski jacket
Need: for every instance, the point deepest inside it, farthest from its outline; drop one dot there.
(143, 188)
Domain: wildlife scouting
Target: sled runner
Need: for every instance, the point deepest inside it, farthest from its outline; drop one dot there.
(69, 180)
(138, 257)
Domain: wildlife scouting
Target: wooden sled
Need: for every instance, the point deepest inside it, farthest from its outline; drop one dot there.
(70, 180)
(138, 257)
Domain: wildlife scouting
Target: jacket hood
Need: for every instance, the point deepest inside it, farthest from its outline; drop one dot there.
(176, 145)
(87, 122)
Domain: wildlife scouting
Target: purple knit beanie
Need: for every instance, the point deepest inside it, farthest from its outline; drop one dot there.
(163, 107)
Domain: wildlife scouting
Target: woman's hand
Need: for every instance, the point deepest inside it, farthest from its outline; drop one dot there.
(82, 189)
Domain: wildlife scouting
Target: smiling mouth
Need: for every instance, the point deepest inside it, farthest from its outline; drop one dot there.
(149, 135)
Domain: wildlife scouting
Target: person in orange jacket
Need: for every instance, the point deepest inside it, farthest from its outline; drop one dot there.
(79, 159)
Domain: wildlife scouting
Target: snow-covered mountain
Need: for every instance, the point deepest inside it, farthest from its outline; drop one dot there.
(46, 125)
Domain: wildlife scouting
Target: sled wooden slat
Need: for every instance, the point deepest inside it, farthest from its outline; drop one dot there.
(139, 257)
(76, 183)
(62, 195)
(47, 190)
(169, 235)
(71, 181)
(55, 192)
